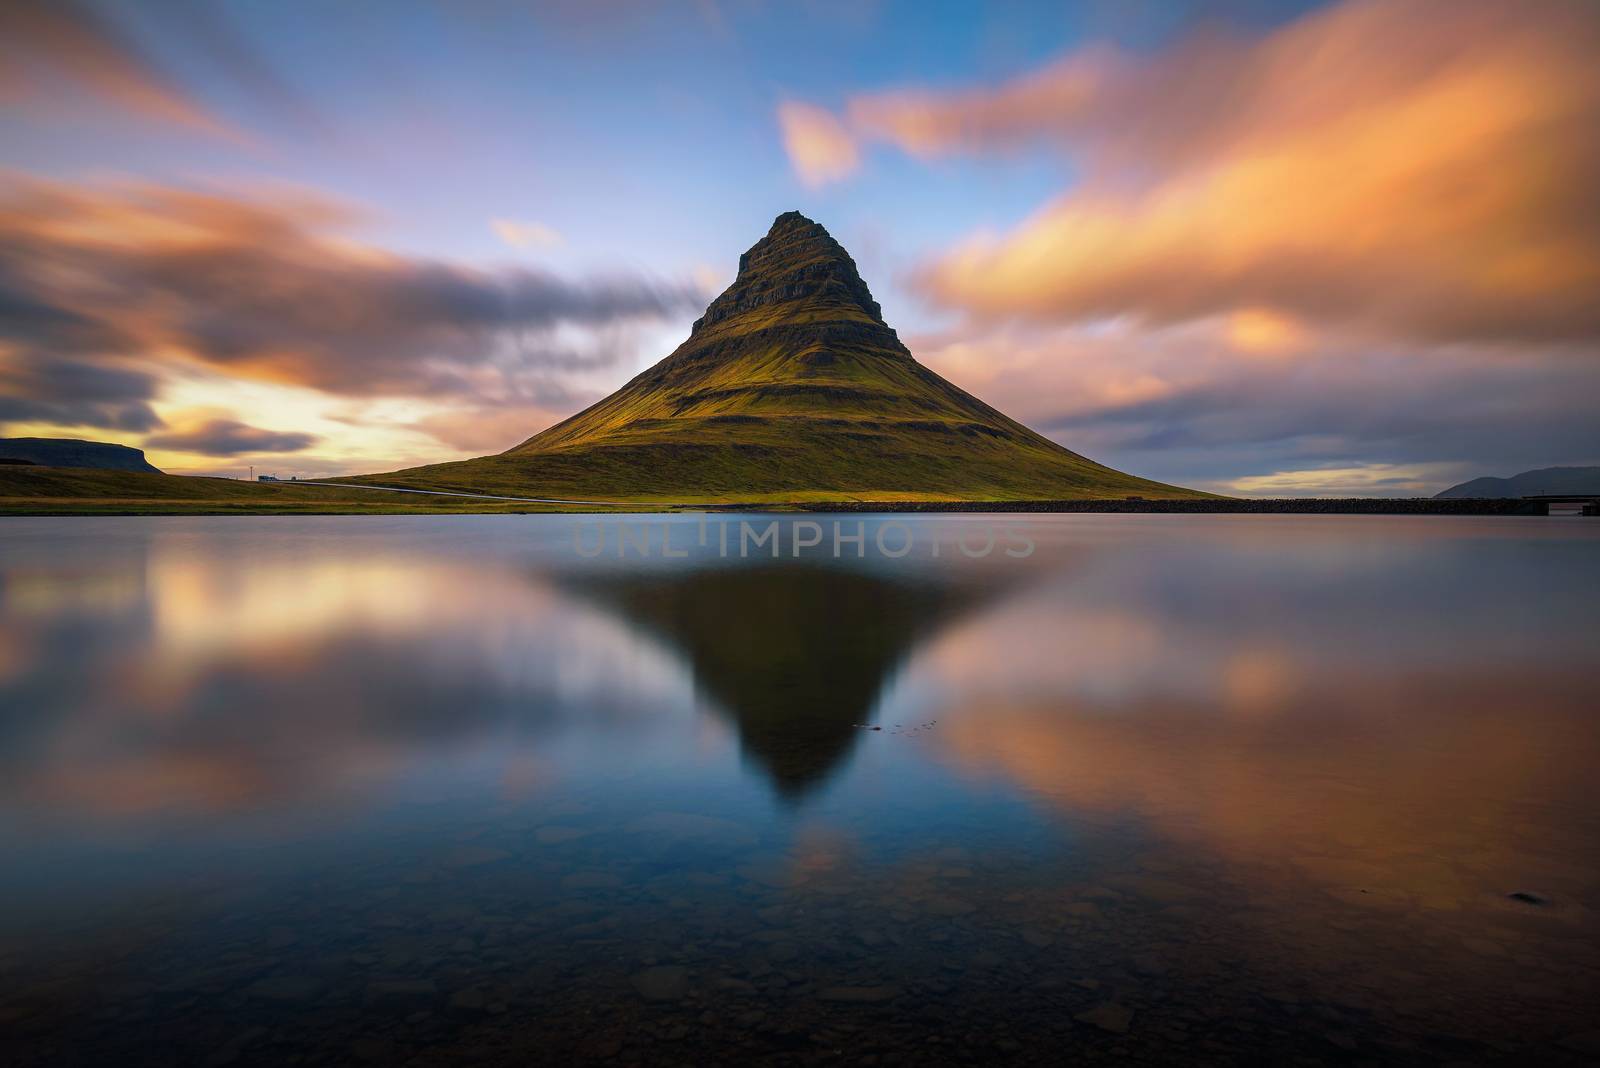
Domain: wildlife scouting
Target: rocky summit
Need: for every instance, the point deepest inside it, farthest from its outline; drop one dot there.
(791, 387)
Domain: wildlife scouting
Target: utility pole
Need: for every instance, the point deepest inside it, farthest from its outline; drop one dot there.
(252, 472)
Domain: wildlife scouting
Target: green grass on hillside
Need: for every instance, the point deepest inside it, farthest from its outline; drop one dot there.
(775, 424)
(744, 471)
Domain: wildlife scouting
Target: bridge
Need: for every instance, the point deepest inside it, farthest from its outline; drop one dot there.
(1568, 503)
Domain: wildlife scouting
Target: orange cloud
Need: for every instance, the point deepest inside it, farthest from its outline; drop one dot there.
(1359, 481)
(110, 286)
(928, 124)
(818, 144)
(1255, 330)
(64, 41)
(74, 56)
(479, 428)
(520, 234)
(1195, 404)
(1420, 169)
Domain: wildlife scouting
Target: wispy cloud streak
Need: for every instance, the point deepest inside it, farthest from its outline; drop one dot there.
(1417, 169)
(115, 286)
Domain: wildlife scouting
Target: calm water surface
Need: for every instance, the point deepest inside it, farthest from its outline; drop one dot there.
(438, 790)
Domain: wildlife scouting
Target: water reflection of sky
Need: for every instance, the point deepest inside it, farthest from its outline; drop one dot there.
(1324, 702)
(224, 665)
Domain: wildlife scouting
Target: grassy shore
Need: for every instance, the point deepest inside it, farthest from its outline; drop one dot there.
(56, 491)
(82, 491)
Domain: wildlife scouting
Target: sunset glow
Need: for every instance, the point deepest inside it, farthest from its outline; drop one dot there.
(285, 261)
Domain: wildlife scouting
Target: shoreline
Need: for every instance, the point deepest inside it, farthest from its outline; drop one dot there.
(59, 508)
(1220, 505)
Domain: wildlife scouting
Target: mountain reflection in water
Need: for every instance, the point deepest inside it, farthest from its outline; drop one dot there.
(438, 789)
(796, 657)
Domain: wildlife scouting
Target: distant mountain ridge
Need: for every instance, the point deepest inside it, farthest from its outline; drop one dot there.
(791, 387)
(74, 452)
(1546, 481)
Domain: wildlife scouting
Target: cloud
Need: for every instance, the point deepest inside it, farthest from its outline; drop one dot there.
(1416, 169)
(207, 31)
(526, 234)
(1364, 480)
(1186, 404)
(56, 53)
(1267, 333)
(818, 144)
(487, 427)
(34, 389)
(141, 281)
(226, 437)
(46, 43)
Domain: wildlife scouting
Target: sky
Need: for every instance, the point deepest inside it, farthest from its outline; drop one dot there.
(1260, 248)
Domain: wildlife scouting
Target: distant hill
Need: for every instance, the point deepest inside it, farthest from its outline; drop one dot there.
(1547, 481)
(71, 452)
(790, 388)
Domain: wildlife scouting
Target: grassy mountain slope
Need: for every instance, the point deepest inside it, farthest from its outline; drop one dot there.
(790, 388)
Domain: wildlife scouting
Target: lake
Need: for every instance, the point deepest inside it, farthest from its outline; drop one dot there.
(1027, 789)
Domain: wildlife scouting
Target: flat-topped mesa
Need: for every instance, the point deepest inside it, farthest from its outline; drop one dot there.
(798, 263)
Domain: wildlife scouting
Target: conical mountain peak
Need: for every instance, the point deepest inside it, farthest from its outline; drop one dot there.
(793, 236)
(793, 220)
(798, 268)
(791, 387)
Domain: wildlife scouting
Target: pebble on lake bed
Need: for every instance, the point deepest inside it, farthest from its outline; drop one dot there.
(859, 994)
(286, 988)
(1108, 1016)
(662, 983)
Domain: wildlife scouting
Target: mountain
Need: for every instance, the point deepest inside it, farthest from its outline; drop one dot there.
(1547, 481)
(791, 387)
(71, 452)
